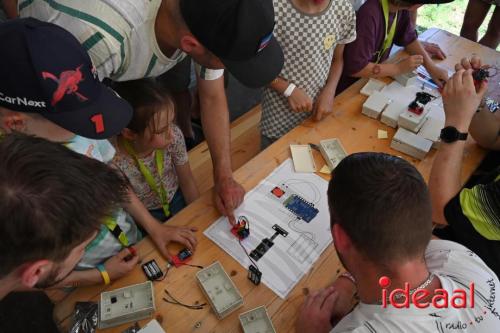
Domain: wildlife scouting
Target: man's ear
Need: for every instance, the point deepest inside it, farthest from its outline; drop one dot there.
(340, 238)
(33, 272)
(129, 134)
(14, 122)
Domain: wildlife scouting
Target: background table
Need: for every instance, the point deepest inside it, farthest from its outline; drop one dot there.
(357, 133)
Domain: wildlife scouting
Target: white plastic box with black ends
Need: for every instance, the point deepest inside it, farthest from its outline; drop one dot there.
(412, 121)
(332, 151)
(372, 86)
(407, 79)
(256, 321)
(410, 144)
(219, 289)
(125, 305)
(375, 104)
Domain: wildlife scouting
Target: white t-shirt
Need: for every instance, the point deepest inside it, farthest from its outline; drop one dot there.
(356, 4)
(456, 267)
(104, 245)
(119, 35)
(101, 150)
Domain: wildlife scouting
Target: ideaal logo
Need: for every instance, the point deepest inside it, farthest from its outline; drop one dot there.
(441, 298)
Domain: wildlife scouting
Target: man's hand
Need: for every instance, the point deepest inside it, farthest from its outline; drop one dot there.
(229, 194)
(472, 63)
(117, 266)
(438, 74)
(162, 235)
(410, 64)
(461, 99)
(299, 101)
(434, 50)
(324, 104)
(315, 314)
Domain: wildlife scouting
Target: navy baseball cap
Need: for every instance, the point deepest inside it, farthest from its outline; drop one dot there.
(240, 34)
(46, 71)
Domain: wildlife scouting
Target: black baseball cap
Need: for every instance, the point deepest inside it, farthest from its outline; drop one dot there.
(240, 34)
(45, 70)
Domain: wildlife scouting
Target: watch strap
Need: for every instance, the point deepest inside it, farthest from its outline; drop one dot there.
(462, 136)
(451, 134)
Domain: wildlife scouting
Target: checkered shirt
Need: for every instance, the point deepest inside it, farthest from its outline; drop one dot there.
(308, 42)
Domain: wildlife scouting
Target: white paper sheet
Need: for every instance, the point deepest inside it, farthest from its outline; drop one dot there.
(291, 257)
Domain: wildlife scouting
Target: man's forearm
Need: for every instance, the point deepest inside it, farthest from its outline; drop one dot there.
(215, 120)
(444, 181)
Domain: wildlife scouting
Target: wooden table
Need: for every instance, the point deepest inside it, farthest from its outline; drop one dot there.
(357, 133)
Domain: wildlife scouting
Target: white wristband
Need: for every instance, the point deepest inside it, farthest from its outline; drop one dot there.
(289, 90)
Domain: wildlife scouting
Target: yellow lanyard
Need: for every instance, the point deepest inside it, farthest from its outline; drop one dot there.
(389, 32)
(111, 224)
(148, 176)
(116, 231)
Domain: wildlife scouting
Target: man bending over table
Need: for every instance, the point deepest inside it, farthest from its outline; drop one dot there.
(129, 40)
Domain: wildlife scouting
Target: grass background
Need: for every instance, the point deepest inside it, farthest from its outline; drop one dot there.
(448, 17)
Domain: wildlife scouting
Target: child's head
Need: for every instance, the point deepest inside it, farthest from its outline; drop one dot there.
(154, 113)
(49, 86)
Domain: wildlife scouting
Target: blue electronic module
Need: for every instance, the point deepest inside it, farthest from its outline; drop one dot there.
(301, 208)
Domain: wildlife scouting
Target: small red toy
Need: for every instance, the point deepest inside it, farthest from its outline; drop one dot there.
(421, 99)
(414, 107)
(133, 253)
(242, 228)
(183, 257)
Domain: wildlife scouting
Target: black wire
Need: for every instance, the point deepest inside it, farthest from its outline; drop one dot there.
(192, 307)
(164, 276)
(496, 71)
(196, 266)
(176, 302)
(246, 252)
(244, 249)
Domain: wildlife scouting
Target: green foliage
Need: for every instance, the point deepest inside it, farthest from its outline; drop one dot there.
(448, 17)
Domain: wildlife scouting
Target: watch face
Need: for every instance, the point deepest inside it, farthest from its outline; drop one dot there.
(449, 134)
